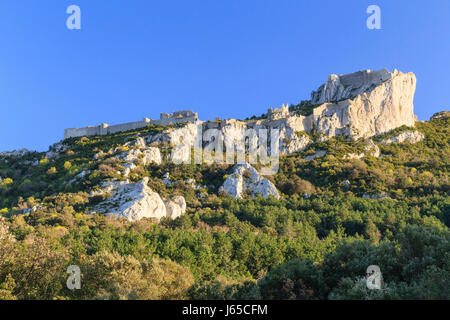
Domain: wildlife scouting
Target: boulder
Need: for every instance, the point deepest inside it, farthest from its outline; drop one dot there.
(133, 201)
(408, 136)
(152, 155)
(181, 202)
(175, 207)
(148, 155)
(245, 179)
(140, 143)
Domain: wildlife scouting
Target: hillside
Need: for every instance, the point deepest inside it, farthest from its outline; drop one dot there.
(140, 226)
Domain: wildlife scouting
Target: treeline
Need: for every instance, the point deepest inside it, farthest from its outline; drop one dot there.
(297, 248)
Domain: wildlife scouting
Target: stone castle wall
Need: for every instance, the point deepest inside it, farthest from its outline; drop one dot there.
(104, 129)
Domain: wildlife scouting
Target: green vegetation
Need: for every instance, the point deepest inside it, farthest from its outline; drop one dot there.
(299, 247)
(304, 108)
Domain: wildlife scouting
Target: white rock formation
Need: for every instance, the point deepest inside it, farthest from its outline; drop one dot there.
(318, 154)
(440, 115)
(245, 179)
(15, 153)
(183, 140)
(357, 105)
(148, 155)
(408, 136)
(377, 105)
(181, 202)
(152, 155)
(140, 143)
(135, 201)
(175, 207)
(349, 86)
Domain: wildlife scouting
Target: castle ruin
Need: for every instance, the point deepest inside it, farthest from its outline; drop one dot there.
(278, 113)
(165, 119)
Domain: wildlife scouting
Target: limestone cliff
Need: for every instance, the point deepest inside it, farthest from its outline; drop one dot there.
(374, 103)
(357, 105)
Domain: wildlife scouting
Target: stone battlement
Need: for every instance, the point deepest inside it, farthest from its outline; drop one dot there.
(166, 119)
(278, 113)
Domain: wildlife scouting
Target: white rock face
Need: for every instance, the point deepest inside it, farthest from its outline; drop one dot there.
(175, 207)
(245, 178)
(152, 155)
(349, 86)
(140, 143)
(357, 105)
(440, 115)
(135, 201)
(15, 153)
(128, 167)
(380, 108)
(149, 155)
(181, 202)
(409, 136)
(182, 139)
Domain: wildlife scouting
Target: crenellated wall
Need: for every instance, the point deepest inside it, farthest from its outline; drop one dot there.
(104, 129)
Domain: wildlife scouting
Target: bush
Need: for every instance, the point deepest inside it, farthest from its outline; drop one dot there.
(295, 280)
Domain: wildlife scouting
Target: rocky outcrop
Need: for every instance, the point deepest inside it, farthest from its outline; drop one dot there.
(175, 207)
(440, 115)
(15, 153)
(408, 136)
(181, 202)
(246, 180)
(370, 149)
(356, 105)
(149, 155)
(374, 105)
(135, 201)
(349, 86)
(183, 140)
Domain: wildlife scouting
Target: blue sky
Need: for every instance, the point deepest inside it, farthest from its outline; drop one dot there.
(232, 58)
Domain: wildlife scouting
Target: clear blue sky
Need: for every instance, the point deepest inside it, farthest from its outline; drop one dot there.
(232, 58)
